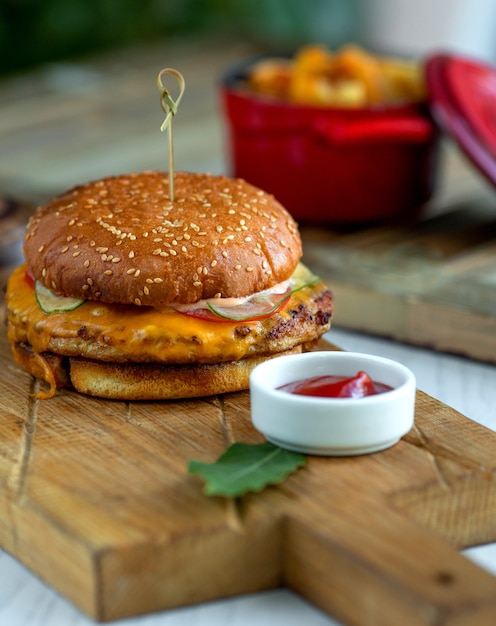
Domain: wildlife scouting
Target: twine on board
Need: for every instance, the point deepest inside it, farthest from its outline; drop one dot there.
(170, 106)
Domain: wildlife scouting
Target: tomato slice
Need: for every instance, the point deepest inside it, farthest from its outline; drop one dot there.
(29, 278)
(257, 307)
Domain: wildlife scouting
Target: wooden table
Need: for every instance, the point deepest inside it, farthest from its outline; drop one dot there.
(70, 123)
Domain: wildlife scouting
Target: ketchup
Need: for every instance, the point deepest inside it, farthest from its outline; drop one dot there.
(330, 386)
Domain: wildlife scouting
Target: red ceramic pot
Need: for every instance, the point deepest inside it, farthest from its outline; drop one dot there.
(329, 165)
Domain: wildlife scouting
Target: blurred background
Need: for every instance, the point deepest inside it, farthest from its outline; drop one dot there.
(78, 98)
(33, 32)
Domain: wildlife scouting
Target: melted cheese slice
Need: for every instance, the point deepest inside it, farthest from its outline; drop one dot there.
(123, 333)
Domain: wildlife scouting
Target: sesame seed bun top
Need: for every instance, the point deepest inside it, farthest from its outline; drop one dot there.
(122, 240)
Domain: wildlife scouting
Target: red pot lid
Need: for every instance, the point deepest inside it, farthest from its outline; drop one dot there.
(463, 103)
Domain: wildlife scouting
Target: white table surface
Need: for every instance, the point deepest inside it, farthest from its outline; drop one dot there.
(466, 385)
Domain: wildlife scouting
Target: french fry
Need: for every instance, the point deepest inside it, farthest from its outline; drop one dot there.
(350, 77)
(271, 77)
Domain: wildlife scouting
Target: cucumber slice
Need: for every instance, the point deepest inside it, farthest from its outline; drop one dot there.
(264, 304)
(50, 302)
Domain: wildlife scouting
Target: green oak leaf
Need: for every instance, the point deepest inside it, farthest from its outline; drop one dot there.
(246, 467)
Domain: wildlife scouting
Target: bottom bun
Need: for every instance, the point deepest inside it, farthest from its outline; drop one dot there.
(148, 381)
(138, 381)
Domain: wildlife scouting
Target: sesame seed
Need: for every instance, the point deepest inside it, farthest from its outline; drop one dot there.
(247, 239)
(137, 301)
(173, 252)
(41, 248)
(137, 273)
(77, 253)
(249, 269)
(108, 272)
(86, 263)
(146, 291)
(163, 253)
(197, 284)
(224, 254)
(64, 249)
(116, 259)
(131, 254)
(214, 263)
(237, 267)
(158, 280)
(89, 281)
(149, 281)
(131, 270)
(43, 272)
(85, 287)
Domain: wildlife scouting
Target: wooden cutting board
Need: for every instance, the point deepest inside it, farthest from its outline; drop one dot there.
(96, 500)
(431, 283)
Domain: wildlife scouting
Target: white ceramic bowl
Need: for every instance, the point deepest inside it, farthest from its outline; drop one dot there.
(332, 426)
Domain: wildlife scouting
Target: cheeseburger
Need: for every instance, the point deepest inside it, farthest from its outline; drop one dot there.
(126, 294)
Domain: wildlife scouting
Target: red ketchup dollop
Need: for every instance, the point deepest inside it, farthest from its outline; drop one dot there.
(330, 386)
